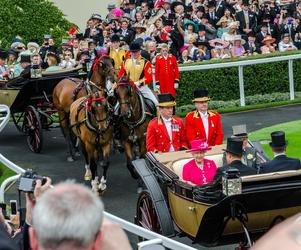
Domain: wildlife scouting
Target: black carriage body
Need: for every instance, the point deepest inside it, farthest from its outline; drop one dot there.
(35, 89)
(209, 218)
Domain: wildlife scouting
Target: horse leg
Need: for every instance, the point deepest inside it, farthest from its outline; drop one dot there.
(95, 179)
(129, 158)
(65, 126)
(105, 165)
(88, 173)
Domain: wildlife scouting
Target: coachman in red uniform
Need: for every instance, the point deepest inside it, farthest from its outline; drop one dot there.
(166, 133)
(203, 123)
(167, 72)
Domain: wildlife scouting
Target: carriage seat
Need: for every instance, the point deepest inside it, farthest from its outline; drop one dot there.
(151, 105)
(177, 166)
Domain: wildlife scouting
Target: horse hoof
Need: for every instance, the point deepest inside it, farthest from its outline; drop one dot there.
(70, 159)
(94, 185)
(77, 154)
(88, 178)
(88, 175)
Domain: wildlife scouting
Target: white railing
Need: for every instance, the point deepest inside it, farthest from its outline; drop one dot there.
(241, 64)
(4, 116)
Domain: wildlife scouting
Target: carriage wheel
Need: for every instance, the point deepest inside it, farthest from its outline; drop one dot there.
(33, 128)
(18, 119)
(146, 215)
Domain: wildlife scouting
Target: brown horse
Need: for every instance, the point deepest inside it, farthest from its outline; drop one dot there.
(69, 89)
(90, 121)
(135, 116)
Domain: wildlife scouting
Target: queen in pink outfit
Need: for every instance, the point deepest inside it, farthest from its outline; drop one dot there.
(199, 171)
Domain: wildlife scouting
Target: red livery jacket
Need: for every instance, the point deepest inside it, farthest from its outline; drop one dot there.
(195, 129)
(157, 138)
(166, 73)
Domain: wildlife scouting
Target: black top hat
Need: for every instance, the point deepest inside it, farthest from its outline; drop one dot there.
(134, 47)
(25, 59)
(13, 52)
(132, 1)
(200, 95)
(245, 2)
(3, 54)
(115, 38)
(79, 36)
(234, 146)
(166, 100)
(252, 34)
(175, 4)
(211, 4)
(278, 139)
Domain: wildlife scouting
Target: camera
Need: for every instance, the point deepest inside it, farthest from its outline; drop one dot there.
(27, 181)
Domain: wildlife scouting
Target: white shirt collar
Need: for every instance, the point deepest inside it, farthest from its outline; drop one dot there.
(203, 115)
(166, 120)
(278, 154)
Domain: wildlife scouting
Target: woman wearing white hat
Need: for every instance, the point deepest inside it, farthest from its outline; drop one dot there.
(237, 49)
(232, 32)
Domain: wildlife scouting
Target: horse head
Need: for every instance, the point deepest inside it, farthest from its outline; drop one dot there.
(98, 106)
(126, 93)
(103, 72)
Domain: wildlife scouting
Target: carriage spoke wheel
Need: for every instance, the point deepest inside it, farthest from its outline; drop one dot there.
(33, 129)
(146, 215)
(18, 119)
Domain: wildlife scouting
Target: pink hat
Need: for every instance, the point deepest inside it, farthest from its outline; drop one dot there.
(183, 48)
(198, 145)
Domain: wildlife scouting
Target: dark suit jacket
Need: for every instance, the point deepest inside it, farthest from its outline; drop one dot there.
(256, 48)
(129, 35)
(241, 18)
(220, 9)
(243, 169)
(280, 163)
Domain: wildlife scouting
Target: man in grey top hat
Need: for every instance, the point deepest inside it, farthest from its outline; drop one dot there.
(250, 156)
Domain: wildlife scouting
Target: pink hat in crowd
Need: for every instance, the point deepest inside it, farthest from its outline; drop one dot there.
(183, 48)
(198, 145)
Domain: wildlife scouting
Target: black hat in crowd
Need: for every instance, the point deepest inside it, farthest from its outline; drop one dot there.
(245, 2)
(96, 16)
(115, 38)
(134, 47)
(211, 4)
(13, 52)
(166, 100)
(175, 4)
(278, 139)
(132, 1)
(3, 54)
(239, 131)
(25, 59)
(234, 146)
(200, 95)
(79, 36)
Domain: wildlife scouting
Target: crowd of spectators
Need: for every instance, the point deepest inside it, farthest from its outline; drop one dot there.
(194, 30)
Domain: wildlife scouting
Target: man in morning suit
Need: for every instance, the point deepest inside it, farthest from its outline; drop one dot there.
(166, 133)
(234, 153)
(280, 162)
(203, 123)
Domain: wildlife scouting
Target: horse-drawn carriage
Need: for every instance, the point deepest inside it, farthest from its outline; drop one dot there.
(236, 209)
(30, 102)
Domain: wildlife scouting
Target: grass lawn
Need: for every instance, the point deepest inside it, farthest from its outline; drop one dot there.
(292, 134)
(6, 173)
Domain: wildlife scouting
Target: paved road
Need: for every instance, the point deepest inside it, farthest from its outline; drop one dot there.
(120, 198)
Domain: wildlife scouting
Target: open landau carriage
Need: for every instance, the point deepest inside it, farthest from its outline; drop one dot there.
(31, 104)
(236, 209)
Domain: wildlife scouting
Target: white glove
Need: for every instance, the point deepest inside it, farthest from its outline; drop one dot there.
(137, 84)
(176, 85)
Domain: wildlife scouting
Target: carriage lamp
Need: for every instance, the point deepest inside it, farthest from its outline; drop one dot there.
(231, 182)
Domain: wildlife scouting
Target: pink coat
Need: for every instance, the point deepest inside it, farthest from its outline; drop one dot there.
(192, 173)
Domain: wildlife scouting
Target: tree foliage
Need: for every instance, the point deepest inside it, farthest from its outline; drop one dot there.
(31, 19)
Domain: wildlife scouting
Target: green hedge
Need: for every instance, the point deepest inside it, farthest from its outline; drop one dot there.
(223, 84)
(31, 19)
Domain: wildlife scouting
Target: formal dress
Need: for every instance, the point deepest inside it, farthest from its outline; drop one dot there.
(163, 137)
(242, 168)
(199, 176)
(207, 127)
(280, 163)
(166, 73)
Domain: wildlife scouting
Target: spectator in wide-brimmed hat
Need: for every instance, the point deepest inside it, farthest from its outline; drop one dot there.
(223, 23)
(268, 45)
(219, 50)
(12, 57)
(139, 30)
(237, 49)
(286, 43)
(232, 32)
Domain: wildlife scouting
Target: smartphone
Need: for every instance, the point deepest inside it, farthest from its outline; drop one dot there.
(13, 207)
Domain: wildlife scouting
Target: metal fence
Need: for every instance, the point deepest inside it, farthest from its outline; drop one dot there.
(242, 64)
(154, 240)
